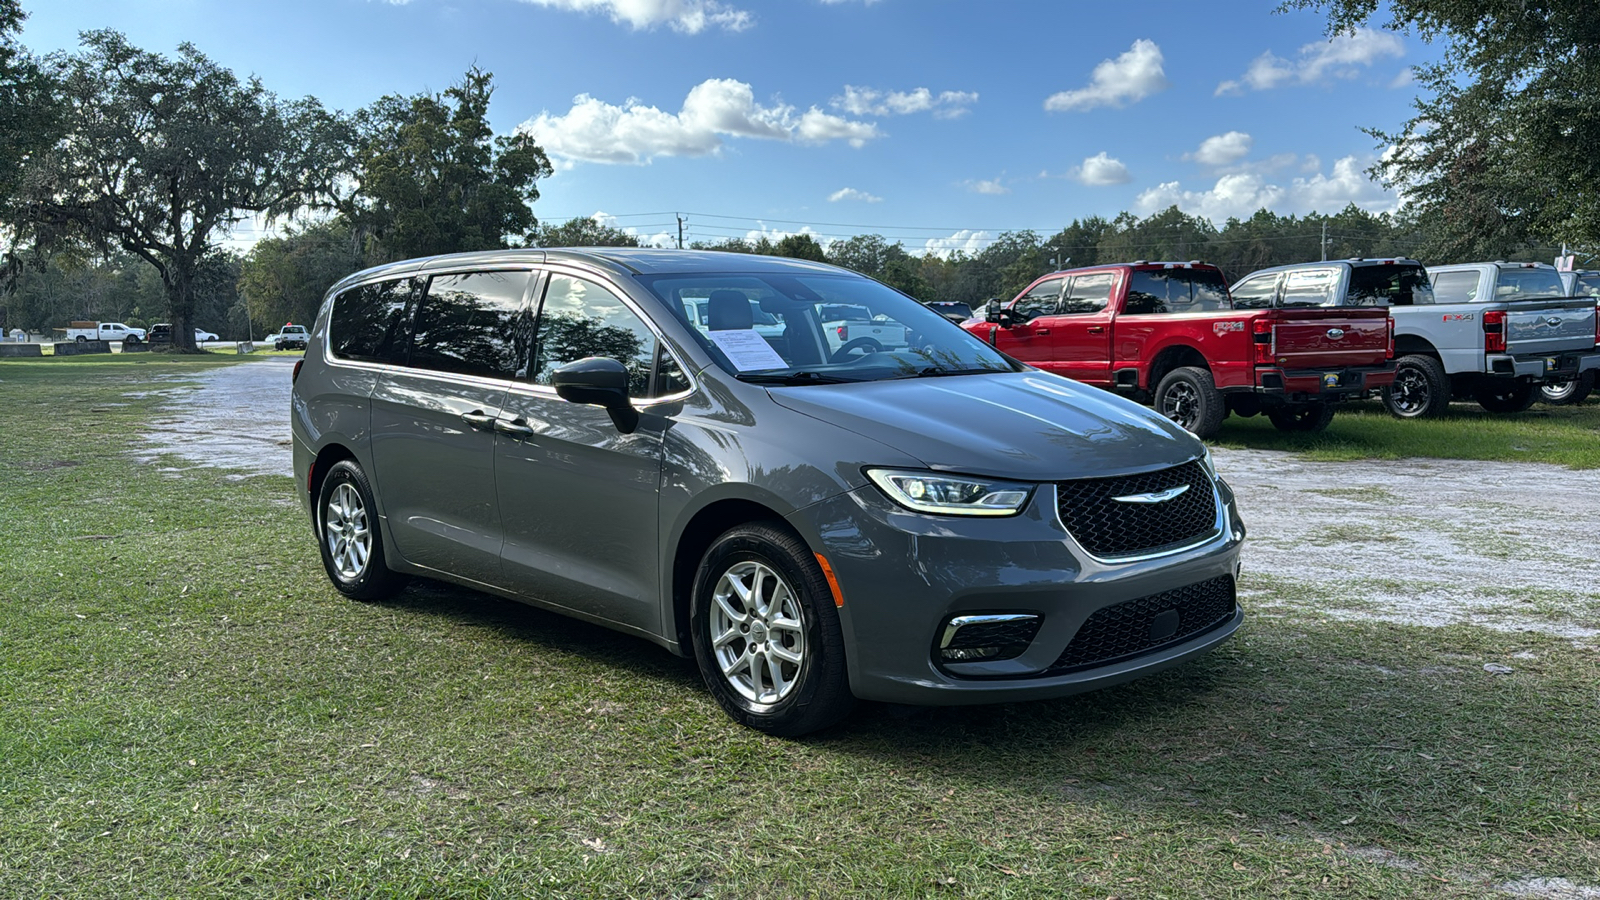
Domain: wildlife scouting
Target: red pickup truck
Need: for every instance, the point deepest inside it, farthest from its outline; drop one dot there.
(1168, 332)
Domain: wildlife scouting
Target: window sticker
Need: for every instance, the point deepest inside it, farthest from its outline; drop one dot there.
(748, 351)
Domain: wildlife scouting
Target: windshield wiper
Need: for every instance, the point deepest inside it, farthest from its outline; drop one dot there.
(942, 371)
(802, 376)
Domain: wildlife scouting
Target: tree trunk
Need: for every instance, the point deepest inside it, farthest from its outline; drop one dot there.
(180, 300)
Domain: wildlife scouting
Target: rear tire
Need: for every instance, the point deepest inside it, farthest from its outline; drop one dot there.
(1421, 389)
(1512, 398)
(766, 632)
(350, 536)
(1189, 397)
(1568, 393)
(1309, 418)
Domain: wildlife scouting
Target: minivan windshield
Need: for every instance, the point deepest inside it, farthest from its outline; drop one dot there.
(819, 329)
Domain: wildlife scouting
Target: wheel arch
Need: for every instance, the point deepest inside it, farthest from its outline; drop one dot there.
(1174, 356)
(325, 460)
(1414, 345)
(702, 528)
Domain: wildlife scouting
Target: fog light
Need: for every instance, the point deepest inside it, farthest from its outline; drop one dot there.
(981, 638)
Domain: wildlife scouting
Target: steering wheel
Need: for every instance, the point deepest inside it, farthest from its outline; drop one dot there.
(867, 344)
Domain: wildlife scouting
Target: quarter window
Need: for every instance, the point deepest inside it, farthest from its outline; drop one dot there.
(368, 322)
(1455, 287)
(474, 323)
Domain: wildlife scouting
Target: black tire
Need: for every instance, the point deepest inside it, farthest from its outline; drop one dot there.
(1189, 397)
(82, 340)
(1506, 397)
(358, 575)
(1421, 389)
(771, 561)
(1308, 418)
(132, 339)
(1568, 393)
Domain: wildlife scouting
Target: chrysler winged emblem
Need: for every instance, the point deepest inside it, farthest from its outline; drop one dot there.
(1153, 496)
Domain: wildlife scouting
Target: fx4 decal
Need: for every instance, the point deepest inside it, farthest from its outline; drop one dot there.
(1225, 327)
(1458, 317)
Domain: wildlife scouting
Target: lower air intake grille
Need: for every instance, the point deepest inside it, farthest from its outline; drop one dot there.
(1108, 527)
(1148, 623)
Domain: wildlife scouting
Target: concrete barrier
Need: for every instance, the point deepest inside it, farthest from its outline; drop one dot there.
(80, 348)
(20, 350)
(140, 347)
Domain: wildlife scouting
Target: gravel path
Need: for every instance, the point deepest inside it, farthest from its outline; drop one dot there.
(1419, 541)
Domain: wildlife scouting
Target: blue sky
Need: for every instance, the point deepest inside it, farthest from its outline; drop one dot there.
(939, 123)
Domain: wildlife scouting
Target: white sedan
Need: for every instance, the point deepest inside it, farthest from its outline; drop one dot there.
(201, 336)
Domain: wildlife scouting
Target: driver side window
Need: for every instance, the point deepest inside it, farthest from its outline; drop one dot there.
(1042, 300)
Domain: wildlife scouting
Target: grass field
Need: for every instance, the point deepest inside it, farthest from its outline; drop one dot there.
(188, 710)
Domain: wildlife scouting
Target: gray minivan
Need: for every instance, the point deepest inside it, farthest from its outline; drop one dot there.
(930, 524)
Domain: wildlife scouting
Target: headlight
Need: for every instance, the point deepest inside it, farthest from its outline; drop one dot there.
(951, 495)
(1208, 464)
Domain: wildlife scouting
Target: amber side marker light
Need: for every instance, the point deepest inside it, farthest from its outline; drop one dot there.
(833, 583)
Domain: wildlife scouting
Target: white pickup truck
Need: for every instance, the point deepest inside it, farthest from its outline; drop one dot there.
(104, 331)
(1494, 332)
(849, 326)
(289, 337)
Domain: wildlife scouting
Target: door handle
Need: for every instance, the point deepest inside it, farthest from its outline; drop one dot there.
(477, 419)
(518, 428)
(1041, 331)
(1097, 329)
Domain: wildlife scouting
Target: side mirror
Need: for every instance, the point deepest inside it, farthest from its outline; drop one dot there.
(598, 381)
(995, 312)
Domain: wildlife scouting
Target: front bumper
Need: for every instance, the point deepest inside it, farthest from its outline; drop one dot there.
(904, 576)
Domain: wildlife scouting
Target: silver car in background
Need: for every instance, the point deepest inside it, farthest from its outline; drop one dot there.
(813, 522)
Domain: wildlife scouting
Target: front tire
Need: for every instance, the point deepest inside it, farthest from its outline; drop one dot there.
(350, 538)
(1189, 397)
(1421, 389)
(1568, 393)
(1307, 419)
(1506, 398)
(766, 632)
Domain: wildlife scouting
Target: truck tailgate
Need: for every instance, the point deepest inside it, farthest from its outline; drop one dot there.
(1329, 338)
(1535, 327)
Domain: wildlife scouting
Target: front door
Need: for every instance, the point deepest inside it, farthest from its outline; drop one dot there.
(1029, 339)
(578, 497)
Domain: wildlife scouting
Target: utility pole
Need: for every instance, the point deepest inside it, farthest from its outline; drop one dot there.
(680, 232)
(1324, 241)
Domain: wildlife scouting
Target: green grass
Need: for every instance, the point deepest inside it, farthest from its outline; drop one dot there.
(188, 709)
(1563, 435)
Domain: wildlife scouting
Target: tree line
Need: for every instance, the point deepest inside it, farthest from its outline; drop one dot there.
(122, 172)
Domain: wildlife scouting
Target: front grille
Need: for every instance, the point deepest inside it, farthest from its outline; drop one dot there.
(1139, 626)
(1107, 527)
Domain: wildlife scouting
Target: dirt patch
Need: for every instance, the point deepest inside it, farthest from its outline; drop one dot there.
(1509, 546)
(237, 418)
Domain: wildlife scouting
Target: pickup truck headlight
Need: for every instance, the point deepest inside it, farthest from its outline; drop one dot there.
(951, 495)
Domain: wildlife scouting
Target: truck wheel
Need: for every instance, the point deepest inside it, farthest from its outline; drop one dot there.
(1312, 417)
(766, 632)
(1506, 398)
(1567, 393)
(349, 535)
(1421, 389)
(1189, 397)
(82, 339)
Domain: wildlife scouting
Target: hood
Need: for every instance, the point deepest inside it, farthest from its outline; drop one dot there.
(1031, 426)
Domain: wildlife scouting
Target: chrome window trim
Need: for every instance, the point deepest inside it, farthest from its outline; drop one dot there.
(510, 384)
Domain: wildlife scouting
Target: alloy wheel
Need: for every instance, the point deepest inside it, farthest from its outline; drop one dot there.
(757, 633)
(346, 530)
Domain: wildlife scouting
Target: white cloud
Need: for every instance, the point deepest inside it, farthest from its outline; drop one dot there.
(1129, 78)
(1101, 169)
(988, 186)
(1222, 149)
(1240, 194)
(633, 133)
(658, 240)
(968, 242)
(1342, 57)
(853, 194)
(1404, 78)
(687, 16)
(859, 101)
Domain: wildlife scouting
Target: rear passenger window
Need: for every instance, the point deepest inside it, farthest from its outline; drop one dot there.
(1455, 287)
(474, 324)
(1088, 294)
(580, 318)
(368, 322)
